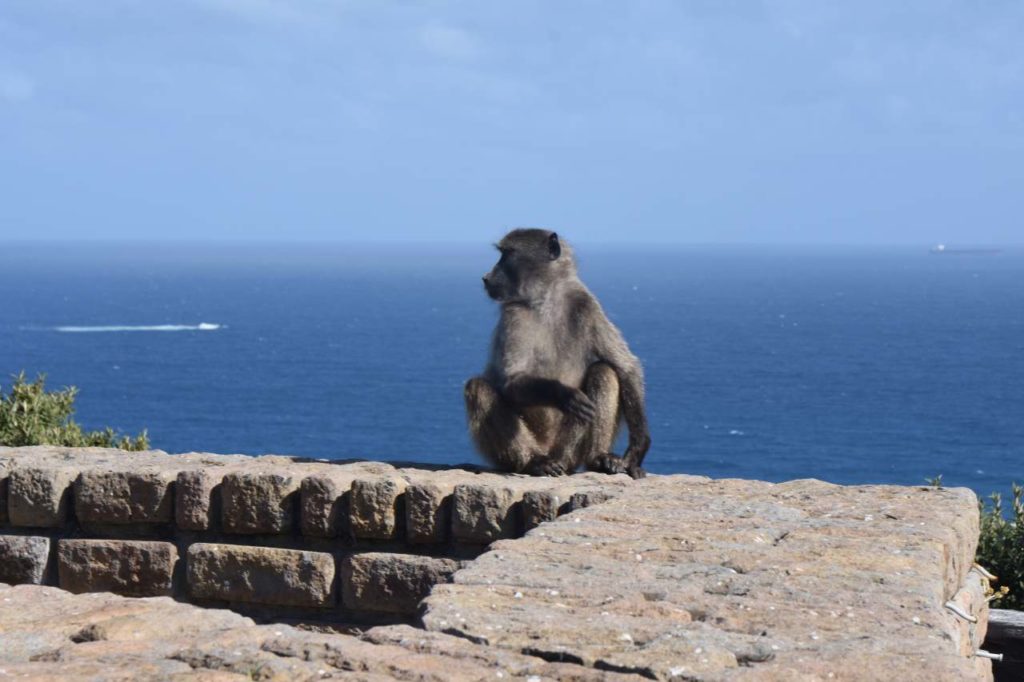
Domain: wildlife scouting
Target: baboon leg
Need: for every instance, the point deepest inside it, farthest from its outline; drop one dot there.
(590, 443)
(499, 433)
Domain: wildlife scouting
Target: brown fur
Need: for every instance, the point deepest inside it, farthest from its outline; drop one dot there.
(560, 378)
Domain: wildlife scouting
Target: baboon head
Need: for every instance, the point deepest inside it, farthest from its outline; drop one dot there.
(531, 261)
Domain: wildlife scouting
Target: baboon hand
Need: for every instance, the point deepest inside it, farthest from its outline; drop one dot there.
(578, 405)
(636, 472)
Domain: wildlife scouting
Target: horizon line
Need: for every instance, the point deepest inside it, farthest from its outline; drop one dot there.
(484, 242)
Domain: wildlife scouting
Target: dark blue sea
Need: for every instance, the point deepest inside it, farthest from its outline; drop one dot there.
(848, 364)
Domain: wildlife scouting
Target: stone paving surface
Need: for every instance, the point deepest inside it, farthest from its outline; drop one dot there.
(737, 580)
(49, 634)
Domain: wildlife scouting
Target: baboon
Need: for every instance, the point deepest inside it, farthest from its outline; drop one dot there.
(560, 378)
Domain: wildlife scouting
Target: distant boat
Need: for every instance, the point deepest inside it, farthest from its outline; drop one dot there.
(943, 250)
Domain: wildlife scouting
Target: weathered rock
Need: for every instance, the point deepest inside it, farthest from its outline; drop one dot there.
(325, 504)
(544, 505)
(680, 576)
(392, 583)
(3, 493)
(260, 502)
(23, 559)
(49, 634)
(376, 507)
(668, 577)
(39, 497)
(261, 575)
(428, 512)
(128, 568)
(465, 656)
(197, 502)
(482, 513)
(47, 625)
(971, 599)
(121, 497)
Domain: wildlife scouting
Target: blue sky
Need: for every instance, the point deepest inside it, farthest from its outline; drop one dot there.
(790, 121)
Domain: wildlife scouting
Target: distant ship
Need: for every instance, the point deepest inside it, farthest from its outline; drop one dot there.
(943, 250)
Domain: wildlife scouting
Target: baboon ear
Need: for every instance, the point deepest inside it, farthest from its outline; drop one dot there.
(554, 246)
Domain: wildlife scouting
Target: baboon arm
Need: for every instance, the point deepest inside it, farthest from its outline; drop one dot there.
(518, 385)
(631, 392)
(612, 349)
(526, 390)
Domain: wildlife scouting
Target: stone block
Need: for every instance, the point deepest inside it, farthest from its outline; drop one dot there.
(39, 497)
(428, 513)
(483, 513)
(197, 502)
(261, 575)
(324, 505)
(587, 498)
(259, 502)
(970, 599)
(128, 568)
(376, 507)
(544, 505)
(391, 583)
(23, 559)
(3, 496)
(121, 497)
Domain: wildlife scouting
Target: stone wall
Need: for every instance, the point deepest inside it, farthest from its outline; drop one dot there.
(271, 536)
(504, 577)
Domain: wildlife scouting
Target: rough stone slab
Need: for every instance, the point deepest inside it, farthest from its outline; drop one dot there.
(23, 559)
(734, 580)
(484, 513)
(260, 575)
(376, 507)
(462, 651)
(39, 497)
(970, 598)
(587, 498)
(428, 512)
(325, 501)
(545, 505)
(391, 583)
(128, 568)
(197, 504)
(49, 634)
(3, 493)
(121, 497)
(53, 635)
(259, 502)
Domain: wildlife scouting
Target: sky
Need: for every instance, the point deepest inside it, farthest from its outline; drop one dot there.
(692, 121)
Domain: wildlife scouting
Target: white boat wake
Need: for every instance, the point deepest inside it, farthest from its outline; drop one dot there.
(201, 327)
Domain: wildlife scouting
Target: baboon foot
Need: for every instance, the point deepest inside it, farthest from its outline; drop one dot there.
(608, 463)
(547, 467)
(636, 472)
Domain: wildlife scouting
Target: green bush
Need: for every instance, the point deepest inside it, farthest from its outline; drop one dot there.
(1001, 547)
(29, 415)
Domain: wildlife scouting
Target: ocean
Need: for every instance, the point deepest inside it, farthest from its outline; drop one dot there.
(848, 364)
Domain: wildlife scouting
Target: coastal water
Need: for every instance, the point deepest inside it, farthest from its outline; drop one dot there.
(852, 365)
